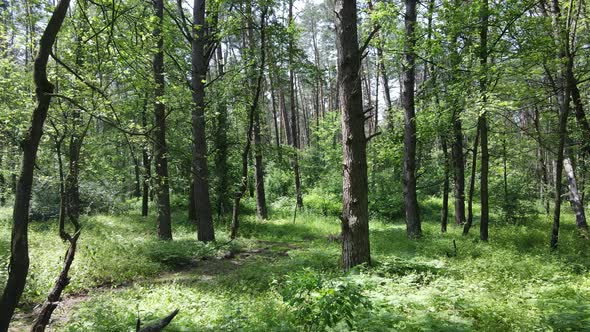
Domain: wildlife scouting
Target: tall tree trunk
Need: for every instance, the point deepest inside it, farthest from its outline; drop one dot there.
(205, 231)
(261, 210)
(251, 114)
(2, 180)
(579, 110)
(563, 94)
(19, 258)
(444, 216)
(355, 214)
(294, 131)
(221, 146)
(147, 165)
(160, 149)
(483, 124)
(459, 168)
(274, 112)
(469, 222)
(543, 172)
(413, 226)
(574, 195)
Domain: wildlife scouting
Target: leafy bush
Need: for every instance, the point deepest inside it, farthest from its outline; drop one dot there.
(320, 303)
(321, 202)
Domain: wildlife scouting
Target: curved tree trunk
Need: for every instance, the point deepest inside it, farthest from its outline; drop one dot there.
(19, 259)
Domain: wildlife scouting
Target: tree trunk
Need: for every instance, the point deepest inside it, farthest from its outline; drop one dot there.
(274, 113)
(355, 216)
(221, 146)
(205, 231)
(563, 94)
(147, 166)
(294, 132)
(413, 226)
(483, 125)
(19, 259)
(261, 210)
(543, 172)
(469, 222)
(574, 195)
(2, 181)
(579, 110)
(160, 149)
(444, 216)
(251, 114)
(459, 168)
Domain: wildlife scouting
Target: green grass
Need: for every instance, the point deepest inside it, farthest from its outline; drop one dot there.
(512, 283)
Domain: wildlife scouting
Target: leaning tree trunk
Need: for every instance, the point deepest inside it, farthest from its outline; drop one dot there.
(19, 259)
(413, 226)
(205, 231)
(574, 195)
(355, 214)
(160, 148)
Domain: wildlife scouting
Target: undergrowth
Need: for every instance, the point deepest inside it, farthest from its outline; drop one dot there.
(282, 269)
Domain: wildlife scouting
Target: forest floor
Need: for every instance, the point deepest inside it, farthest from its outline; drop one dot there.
(512, 283)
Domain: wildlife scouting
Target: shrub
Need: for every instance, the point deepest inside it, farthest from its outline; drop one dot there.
(320, 303)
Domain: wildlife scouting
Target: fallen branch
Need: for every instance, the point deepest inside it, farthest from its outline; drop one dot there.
(159, 326)
(60, 284)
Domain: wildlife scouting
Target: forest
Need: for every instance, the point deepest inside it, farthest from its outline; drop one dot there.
(294, 165)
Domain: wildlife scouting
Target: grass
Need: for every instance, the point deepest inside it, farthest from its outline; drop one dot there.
(512, 283)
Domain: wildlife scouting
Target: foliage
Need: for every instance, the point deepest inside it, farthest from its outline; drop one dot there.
(320, 303)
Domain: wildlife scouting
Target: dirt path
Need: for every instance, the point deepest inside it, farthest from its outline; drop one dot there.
(201, 269)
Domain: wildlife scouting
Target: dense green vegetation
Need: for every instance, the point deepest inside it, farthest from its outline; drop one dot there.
(294, 165)
(512, 283)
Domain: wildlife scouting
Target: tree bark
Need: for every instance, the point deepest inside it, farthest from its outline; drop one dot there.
(444, 216)
(294, 131)
(251, 114)
(574, 195)
(60, 285)
(355, 216)
(147, 166)
(261, 210)
(459, 168)
(483, 125)
(160, 148)
(469, 222)
(413, 225)
(205, 231)
(221, 145)
(19, 259)
(563, 95)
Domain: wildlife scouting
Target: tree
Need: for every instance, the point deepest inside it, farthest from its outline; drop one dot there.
(19, 259)
(199, 156)
(355, 214)
(160, 148)
(294, 132)
(413, 227)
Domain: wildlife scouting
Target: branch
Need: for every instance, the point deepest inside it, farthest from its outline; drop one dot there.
(369, 38)
(159, 326)
(373, 135)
